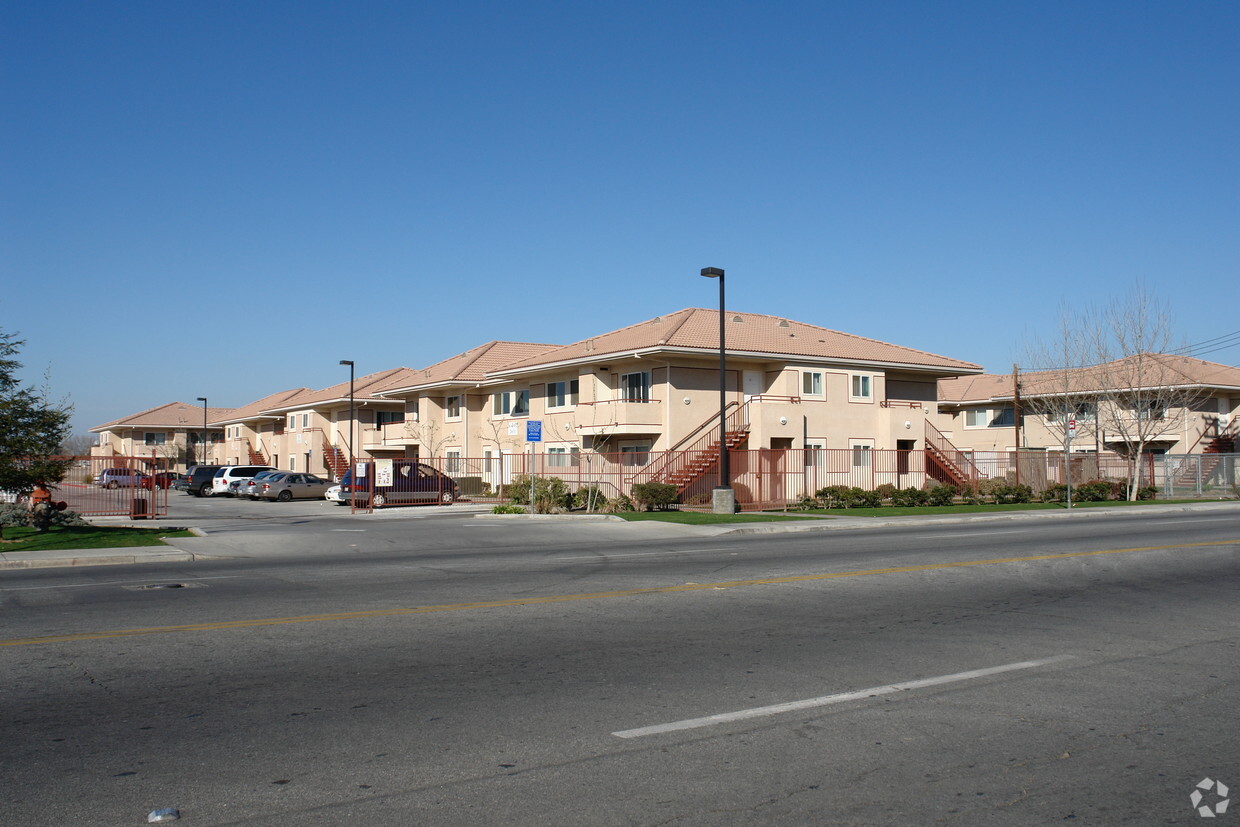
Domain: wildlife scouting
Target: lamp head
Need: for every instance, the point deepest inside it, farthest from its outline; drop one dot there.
(712, 272)
(202, 399)
(348, 362)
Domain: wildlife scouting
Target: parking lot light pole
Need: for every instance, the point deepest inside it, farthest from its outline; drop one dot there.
(203, 400)
(349, 362)
(723, 498)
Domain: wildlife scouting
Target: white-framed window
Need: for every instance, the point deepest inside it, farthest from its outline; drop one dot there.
(292, 421)
(861, 387)
(292, 462)
(563, 456)
(155, 438)
(452, 461)
(812, 383)
(452, 407)
(862, 453)
(511, 403)
(305, 420)
(635, 387)
(562, 394)
(816, 453)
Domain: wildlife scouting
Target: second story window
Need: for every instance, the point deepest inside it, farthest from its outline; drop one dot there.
(635, 387)
(452, 407)
(811, 383)
(384, 417)
(860, 387)
(511, 403)
(562, 394)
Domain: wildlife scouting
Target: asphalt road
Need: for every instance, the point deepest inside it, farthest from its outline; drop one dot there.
(440, 669)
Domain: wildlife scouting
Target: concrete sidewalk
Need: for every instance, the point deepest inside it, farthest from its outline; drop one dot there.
(202, 547)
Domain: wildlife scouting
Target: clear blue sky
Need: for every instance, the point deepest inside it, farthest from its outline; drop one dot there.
(225, 199)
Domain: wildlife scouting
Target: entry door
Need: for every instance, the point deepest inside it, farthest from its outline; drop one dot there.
(753, 383)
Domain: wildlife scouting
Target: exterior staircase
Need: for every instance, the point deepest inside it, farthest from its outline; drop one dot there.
(947, 463)
(1222, 441)
(698, 453)
(256, 456)
(337, 461)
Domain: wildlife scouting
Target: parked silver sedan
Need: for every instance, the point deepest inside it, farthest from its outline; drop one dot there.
(292, 486)
(250, 488)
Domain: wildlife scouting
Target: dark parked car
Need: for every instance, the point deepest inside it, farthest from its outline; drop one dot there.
(410, 482)
(197, 480)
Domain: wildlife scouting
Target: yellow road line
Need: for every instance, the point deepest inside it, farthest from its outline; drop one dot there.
(566, 598)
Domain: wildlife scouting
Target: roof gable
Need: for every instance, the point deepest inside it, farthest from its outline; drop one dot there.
(698, 329)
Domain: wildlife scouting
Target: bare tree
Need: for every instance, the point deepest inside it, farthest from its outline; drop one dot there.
(77, 445)
(1114, 363)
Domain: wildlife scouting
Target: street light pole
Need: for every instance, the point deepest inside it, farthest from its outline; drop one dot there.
(203, 400)
(723, 500)
(349, 362)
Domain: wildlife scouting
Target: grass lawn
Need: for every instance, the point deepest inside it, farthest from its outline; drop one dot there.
(893, 511)
(707, 518)
(72, 537)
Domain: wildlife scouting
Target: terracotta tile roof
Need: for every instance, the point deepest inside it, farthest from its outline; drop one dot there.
(471, 366)
(1158, 369)
(171, 415)
(363, 386)
(698, 329)
(254, 409)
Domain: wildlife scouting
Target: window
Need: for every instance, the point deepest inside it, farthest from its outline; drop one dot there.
(1081, 411)
(816, 453)
(1153, 409)
(305, 420)
(1003, 418)
(862, 455)
(562, 394)
(452, 407)
(811, 383)
(634, 455)
(860, 387)
(384, 417)
(563, 456)
(511, 403)
(159, 438)
(292, 421)
(292, 462)
(635, 387)
(976, 418)
(452, 461)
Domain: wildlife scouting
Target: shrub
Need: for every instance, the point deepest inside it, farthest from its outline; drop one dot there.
(807, 503)
(835, 496)
(941, 495)
(590, 497)
(1095, 491)
(654, 496)
(505, 508)
(1056, 493)
(860, 498)
(885, 490)
(1147, 492)
(1013, 493)
(909, 497)
(550, 493)
(619, 504)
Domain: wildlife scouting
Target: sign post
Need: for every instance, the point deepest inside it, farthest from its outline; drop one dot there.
(533, 434)
(1067, 456)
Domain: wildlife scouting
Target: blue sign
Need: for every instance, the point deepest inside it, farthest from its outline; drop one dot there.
(533, 430)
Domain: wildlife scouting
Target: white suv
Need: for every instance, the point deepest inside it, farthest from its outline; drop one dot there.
(219, 485)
